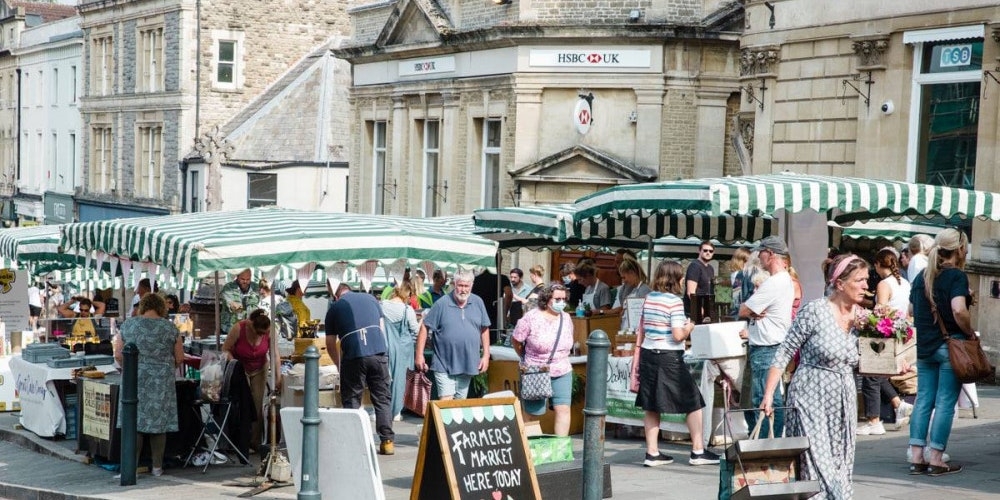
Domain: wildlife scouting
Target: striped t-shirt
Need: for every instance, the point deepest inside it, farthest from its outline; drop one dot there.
(660, 313)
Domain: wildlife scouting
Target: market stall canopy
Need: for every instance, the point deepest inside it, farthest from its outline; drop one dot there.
(901, 230)
(200, 244)
(554, 226)
(846, 197)
(34, 245)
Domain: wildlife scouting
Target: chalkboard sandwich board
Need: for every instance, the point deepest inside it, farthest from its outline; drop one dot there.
(474, 449)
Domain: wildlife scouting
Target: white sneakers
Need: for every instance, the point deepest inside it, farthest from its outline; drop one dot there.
(902, 415)
(868, 428)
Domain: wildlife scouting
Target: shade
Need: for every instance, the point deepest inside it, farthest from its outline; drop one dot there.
(199, 244)
(857, 199)
(901, 230)
(34, 244)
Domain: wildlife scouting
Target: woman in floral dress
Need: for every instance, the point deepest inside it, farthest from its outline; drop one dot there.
(822, 390)
(161, 351)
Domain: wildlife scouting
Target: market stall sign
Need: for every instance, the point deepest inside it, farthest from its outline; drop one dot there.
(474, 449)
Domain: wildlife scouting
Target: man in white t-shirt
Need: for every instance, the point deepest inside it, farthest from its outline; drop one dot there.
(769, 311)
(919, 245)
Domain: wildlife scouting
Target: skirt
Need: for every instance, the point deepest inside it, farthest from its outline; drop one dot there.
(666, 384)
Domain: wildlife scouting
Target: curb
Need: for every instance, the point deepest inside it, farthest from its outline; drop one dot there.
(37, 444)
(18, 492)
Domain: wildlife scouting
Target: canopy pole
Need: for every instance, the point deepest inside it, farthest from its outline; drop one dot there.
(218, 320)
(649, 262)
(501, 324)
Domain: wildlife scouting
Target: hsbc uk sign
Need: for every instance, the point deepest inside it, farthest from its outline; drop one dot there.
(426, 66)
(590, 58)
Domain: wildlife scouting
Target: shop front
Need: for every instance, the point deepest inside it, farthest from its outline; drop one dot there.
(93, 211)
(59, 208)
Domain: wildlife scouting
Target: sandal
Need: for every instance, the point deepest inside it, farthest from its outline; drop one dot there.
(933, 470)
(917, 469)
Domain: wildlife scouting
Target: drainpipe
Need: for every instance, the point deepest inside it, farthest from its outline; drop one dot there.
(17, 176)
(197, 70)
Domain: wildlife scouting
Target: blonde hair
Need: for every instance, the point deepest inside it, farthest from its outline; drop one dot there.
(740, 257)
(537, 270)
(946, 244)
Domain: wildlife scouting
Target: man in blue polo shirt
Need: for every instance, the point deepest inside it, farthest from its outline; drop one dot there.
(461, 328)
(356, 319)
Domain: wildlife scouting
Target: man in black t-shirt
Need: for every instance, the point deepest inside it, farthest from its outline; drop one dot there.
(700, 278)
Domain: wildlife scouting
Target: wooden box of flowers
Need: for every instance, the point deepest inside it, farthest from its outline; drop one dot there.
(886, 341)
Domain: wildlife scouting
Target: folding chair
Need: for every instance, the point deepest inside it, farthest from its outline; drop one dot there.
(215, 416)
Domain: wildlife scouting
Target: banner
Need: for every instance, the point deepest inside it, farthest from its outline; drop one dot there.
(14, 299)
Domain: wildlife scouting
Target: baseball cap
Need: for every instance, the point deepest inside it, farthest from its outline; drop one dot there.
(774, 244)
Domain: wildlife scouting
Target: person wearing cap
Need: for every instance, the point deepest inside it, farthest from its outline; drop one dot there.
(769, 311)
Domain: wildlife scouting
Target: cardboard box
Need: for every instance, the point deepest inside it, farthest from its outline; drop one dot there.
(718, 340)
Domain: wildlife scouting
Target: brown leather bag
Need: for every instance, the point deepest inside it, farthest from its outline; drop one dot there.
(968, 360)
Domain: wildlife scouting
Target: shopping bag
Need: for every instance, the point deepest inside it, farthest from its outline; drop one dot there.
(536, 383)
(417, 392)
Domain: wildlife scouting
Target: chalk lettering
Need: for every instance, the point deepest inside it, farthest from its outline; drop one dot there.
(618, 373)
(507, 478)
(492, 458)
(462, 440)
(477, 481)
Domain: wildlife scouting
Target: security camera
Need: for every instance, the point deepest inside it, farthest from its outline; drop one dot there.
(888, 107)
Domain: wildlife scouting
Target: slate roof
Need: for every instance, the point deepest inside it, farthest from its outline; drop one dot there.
(47, 11)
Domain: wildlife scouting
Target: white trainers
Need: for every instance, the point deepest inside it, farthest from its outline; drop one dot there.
(868, 428)
(902, 415)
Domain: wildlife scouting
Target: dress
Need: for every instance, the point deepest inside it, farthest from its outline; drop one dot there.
(155, 338)
(824, 395)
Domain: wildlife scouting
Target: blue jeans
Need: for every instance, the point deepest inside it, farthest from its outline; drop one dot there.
(937, 391)
(761, 358)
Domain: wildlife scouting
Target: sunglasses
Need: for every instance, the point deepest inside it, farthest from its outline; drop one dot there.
(707, 250)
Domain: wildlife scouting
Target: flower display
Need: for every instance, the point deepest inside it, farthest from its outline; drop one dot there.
(883, 322)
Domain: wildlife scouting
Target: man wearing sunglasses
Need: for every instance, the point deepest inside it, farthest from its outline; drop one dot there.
(700, 279)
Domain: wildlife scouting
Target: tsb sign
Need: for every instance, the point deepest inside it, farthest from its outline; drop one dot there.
(955, 55)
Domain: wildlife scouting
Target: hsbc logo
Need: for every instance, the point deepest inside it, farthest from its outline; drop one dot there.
(607, 58)
(423, 67)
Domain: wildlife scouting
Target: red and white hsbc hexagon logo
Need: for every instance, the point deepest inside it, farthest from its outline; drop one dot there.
(583, 115)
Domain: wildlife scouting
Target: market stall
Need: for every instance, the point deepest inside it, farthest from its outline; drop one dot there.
(42, 390)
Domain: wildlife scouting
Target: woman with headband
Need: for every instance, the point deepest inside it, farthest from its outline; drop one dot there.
(822, 389)
(941, 288)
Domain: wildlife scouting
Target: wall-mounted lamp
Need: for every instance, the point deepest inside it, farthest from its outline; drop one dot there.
(866, 96)
(752, 96)
(440, 190)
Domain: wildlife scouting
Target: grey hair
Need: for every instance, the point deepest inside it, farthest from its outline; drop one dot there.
(464, 275)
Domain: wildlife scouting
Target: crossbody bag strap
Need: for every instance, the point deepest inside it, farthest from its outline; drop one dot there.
(556, 344)
(939, 321)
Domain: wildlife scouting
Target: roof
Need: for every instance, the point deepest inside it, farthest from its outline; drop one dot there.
(47, 11)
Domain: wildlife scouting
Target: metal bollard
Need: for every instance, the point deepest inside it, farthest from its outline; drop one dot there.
(594, 413)
(310, 428)
(129, 416)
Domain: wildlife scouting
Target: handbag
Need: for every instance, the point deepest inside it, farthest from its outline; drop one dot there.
(417, 392)
(968, 360)
(536, 383)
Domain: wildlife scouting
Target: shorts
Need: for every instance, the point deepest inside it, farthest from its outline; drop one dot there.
(456, 386)
(34, 311)
(666, 384)
(562, 394)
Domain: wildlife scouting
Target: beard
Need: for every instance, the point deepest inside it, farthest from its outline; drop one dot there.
(462, 297)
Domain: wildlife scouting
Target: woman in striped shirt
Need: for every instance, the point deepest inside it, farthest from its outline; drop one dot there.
(665, 382)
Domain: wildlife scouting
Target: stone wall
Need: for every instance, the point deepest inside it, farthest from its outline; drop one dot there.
(367, 21)
(677, 146)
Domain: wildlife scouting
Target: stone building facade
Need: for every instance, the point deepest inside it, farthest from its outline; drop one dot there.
(462, 104)
(894, 90)
(160, 74)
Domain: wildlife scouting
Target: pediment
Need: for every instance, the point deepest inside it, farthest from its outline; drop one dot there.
(584, 164)
(414, 22)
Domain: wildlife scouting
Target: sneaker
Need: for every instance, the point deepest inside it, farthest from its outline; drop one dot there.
(902, 415)
(945, 457)
(704, 458)
(387, 448)
(658, 459)
(868, 428)
(157, 471)
(398, 418)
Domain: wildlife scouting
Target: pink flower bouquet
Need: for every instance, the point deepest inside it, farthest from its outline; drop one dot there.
(883, 322)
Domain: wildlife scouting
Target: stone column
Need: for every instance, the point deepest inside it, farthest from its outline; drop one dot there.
(710, 139)
(450, 159)
(529, 115)
(648, 126)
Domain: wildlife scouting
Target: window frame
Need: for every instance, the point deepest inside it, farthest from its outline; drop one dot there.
(431, 172)
(149, 59)
(261, 202)
(148, 182)
(491, 151)
(101, 157)
(380, 169)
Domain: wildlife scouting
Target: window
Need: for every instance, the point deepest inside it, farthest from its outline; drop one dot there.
(149, 60)
(435, 192)
(149, 164)
(491, 164)
(101, 160)
(945, 112)
(262, 190)
(378, 166)
(54, 91)
(40, 91)
(72, 82)
(101, 66)
(226, 66)
(194, 191)
(26, 96)
(53, 172)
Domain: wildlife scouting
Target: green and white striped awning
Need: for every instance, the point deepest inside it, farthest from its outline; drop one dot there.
(199, 244)
(553, 226)
(901, 230)
(857, 199)
(35, 244)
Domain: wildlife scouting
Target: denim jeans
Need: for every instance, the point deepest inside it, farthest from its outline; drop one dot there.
(937, 391)
(761, 358)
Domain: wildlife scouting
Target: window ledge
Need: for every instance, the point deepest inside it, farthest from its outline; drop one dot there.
(227, 90)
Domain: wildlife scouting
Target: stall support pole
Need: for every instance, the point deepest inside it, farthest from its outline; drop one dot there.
(594, 413)
(130, 402)
(310, 428)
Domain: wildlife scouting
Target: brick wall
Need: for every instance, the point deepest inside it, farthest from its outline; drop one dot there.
(677, 146)
(474, 14)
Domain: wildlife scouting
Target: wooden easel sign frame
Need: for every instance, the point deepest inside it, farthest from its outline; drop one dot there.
(474, 449)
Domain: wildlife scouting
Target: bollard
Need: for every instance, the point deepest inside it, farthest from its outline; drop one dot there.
(309, 486)
(594, 414)
(129, 416)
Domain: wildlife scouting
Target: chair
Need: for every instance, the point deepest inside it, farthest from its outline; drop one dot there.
(215, 416)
